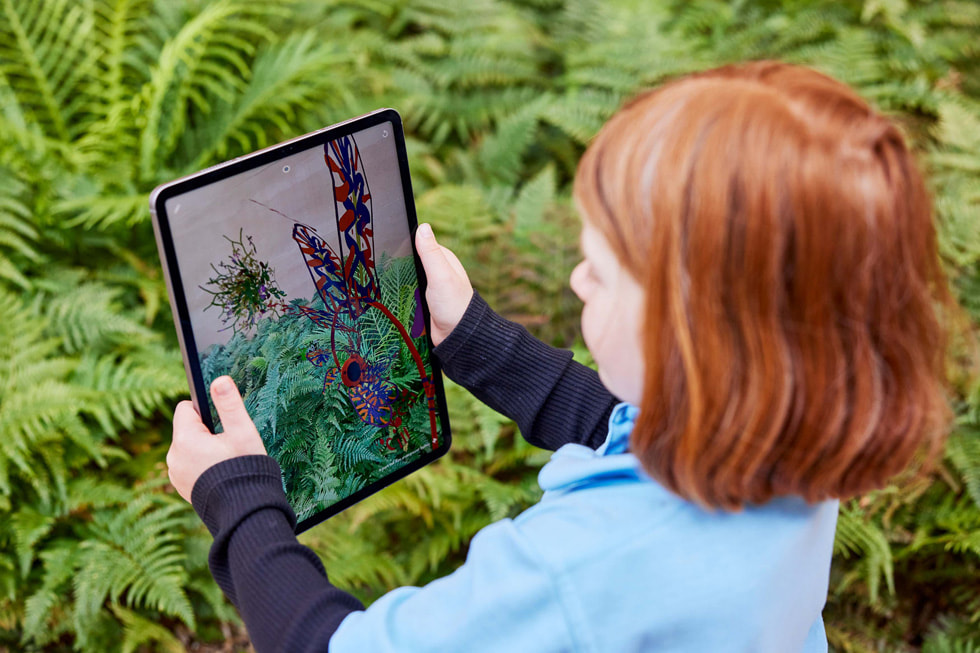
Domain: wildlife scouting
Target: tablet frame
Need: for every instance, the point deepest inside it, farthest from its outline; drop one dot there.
(178, 300)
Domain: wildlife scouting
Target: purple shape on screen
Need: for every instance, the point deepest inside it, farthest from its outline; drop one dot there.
(418, 324)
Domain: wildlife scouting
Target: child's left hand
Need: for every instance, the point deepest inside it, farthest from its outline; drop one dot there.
(194, 448)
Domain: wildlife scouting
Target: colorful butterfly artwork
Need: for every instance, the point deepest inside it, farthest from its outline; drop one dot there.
(347, 283)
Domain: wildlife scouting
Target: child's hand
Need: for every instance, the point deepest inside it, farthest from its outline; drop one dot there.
(194, 448)
(449, 290)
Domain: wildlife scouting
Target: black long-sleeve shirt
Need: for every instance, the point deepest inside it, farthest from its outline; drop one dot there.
(278, 585)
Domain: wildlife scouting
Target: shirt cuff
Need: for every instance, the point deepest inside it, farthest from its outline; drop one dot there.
(231, 490)
(469, 324)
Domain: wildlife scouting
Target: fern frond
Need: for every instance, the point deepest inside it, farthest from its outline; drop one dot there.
(133, 557)
(952, 635)
(101, 211)
(440, 116)
(501, 153)
(963, 451)
(288, 78)
(532, 200)
(17, 234)
(49, 50)
(32, 417)
(28, 527)
(139, 631)
(59, 566)
(90, 317)
(205, 59)
(119, 25)
(856, 536)
(580, 115)
(137, 385)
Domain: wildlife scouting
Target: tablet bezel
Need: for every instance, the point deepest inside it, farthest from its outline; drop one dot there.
(178, 300)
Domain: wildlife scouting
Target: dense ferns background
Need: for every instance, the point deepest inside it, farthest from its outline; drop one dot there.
(100, 100)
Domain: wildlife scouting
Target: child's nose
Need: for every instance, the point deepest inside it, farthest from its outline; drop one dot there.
(577, 280)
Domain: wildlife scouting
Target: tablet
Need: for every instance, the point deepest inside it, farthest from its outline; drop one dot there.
(293, 269)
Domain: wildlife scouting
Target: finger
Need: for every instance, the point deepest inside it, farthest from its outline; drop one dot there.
(230, 407)
(187, 421)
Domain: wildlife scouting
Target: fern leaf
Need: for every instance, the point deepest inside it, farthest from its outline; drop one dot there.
(28, 526)
(101, 211)
(59, 566)
(134, 557)
(206, 58)
(287, 79)
(138, 385)
(139, 631)
(17, 234)
(856, 536)
(502, 152)
(48, 51)
(532, 200)
(963, 450)
(89, 317)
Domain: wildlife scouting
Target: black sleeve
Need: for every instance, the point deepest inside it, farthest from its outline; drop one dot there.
(553, 399)
(278, 585)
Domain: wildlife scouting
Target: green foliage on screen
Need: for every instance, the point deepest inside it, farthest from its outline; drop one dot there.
(327, 453)
(100, 100)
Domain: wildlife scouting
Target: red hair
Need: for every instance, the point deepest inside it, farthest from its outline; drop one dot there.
(785, 240)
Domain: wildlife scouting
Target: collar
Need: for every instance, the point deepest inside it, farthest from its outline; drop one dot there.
(574, 465)
(621, 422)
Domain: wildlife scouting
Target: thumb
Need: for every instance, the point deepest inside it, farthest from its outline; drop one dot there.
(449, 290)
(433, 259)
(445, 274)
(231, 409)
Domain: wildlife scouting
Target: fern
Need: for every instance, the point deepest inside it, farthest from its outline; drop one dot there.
(136, 386)
(139, 631)
(132, 556)
(17, 234)
(49, 50)
(89, 317)
(203, 61)
(855, 536)
(59, 566)
(269, 105)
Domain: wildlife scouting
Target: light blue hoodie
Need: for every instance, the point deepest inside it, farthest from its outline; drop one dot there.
(611, 561)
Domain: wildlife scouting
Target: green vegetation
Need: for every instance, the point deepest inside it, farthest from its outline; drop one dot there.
(309, 425)
(244, 288)
(100, 100)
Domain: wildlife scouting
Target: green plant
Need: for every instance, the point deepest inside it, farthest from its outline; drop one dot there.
(245, 286)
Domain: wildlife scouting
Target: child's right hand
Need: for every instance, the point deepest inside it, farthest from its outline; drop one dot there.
(449, 290)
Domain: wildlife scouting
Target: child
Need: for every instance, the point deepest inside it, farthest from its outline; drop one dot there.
(760, 283)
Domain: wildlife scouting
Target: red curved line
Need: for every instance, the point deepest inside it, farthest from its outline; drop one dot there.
(426, 381)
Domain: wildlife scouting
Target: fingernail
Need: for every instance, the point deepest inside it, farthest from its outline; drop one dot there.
(222, 386)
(425, 231)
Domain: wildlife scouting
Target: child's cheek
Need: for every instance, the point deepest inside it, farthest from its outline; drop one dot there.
(611, 330)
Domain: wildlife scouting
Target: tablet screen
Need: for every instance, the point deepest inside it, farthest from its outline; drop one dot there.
(300, 281)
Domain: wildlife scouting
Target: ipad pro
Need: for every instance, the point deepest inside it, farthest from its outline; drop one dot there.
(293, 269)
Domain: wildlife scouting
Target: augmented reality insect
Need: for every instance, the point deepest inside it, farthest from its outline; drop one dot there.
(348, 285)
